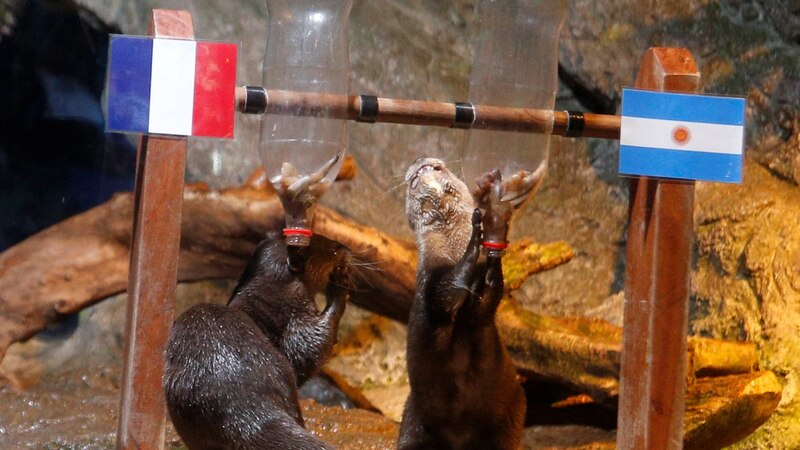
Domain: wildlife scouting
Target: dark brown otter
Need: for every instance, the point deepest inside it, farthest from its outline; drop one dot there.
(464, 388)
(232, 371)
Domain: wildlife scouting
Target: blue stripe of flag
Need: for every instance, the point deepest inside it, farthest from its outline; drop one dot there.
(691, 165)
(130, 67)
(683, 107)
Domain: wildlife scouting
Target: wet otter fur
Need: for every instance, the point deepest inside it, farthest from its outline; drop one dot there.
(464, 388)
(232, 371)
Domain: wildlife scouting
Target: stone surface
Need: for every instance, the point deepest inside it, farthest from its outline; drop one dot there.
(371, 357)
(747, 281)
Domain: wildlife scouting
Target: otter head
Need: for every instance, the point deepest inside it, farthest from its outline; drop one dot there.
(439, 208)
(321, 262)
(273, 264)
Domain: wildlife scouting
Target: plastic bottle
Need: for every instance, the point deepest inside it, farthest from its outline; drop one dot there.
(307, 51)
(515, 65)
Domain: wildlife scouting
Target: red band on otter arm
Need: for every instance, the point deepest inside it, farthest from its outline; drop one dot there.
(297, 232)
(495, 245)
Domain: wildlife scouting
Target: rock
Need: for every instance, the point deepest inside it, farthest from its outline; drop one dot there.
(371, 358)
(747, 281)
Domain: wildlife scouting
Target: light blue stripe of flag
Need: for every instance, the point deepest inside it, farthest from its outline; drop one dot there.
(683, 107)
(656, 162)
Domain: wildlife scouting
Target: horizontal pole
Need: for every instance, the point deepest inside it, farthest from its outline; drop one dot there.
(371, 109)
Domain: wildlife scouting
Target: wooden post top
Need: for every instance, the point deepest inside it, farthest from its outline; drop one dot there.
(668, 69)
(175, 23)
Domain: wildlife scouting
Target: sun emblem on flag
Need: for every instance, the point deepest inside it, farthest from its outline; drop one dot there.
(681, 135)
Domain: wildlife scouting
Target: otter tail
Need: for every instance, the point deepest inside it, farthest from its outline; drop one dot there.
(285, 435)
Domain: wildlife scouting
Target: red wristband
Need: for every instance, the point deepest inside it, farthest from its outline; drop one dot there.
(495, 245)
(297, 232)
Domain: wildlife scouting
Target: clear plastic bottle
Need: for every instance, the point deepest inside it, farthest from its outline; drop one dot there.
(515, 65)
(307, 51)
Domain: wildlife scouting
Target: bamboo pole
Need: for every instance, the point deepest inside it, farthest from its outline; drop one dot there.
(371, 109)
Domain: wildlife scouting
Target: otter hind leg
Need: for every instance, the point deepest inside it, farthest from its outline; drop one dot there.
(284, 434)
(412, 433)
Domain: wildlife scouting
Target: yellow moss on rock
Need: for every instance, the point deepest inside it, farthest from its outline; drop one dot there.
(525, 258)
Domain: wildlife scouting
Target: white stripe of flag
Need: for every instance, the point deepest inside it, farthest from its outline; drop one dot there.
(172, 87)
(666, 134)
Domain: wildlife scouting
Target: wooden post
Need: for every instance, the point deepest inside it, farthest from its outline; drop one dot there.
(658, 269)
(158, 200)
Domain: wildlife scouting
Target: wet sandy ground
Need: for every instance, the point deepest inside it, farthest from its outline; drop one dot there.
(78, 410)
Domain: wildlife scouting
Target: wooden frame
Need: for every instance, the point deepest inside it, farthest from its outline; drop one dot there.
(657, 282)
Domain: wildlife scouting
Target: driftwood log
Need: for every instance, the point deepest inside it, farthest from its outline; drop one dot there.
(84, 259)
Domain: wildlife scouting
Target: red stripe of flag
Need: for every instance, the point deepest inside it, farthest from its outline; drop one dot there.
(214, 90)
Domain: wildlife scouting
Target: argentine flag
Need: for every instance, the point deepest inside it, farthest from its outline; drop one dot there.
(685, 136)
(171, 86)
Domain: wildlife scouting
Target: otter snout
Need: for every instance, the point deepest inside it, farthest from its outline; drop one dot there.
(420, 167)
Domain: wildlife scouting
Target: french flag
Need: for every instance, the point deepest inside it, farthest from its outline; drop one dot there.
(685, 136)
(171, 86)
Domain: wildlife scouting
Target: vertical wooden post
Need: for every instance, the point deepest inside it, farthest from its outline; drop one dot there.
(658, 269)
(158, 201)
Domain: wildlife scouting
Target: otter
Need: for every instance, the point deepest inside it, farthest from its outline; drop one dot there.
(464, 388)
(232, 371)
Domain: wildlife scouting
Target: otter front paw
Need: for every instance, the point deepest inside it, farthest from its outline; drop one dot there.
(338, 289)
(485, 184)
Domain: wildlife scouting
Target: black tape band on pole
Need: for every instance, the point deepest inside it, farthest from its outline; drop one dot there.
(465, 115)
(575, 124)
(255, 100)
(369, 109)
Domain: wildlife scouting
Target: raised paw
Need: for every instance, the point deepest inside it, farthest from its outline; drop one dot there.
(477, 232)
(337, 292)
(339, 282)
(340, 276)
(485, 183)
